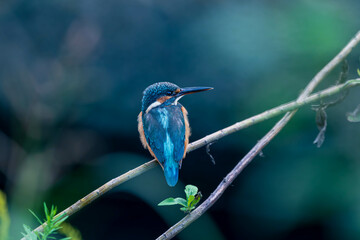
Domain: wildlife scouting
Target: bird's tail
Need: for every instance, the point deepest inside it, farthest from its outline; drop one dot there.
(171, 172)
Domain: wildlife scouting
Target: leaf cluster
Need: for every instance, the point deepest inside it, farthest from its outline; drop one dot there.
(52, 225)
(193, 197)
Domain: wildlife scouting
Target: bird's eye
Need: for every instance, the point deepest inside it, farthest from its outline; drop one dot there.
(169, 93)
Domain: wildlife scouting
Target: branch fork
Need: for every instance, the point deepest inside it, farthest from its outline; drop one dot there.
(289, 109)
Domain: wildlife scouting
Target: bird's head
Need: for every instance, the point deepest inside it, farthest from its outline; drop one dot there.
(165, 92)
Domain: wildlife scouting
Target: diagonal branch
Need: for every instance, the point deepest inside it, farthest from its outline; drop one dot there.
(201, 142)
(224, 132)
(187, 220)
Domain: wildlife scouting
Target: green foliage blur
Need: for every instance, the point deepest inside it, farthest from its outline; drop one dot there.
(71, 80)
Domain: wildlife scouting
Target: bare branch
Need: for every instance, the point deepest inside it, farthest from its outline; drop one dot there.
(187, 220)
(201, 142)
(224, 132)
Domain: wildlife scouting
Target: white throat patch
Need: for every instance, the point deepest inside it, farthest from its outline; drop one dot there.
(154, 104)
(176, 100)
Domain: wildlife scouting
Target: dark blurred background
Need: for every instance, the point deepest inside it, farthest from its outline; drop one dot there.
(71, 80)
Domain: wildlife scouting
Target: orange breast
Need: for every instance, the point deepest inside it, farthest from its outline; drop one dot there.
(187, 129)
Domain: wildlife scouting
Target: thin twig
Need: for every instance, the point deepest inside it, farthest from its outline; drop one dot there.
(201, 142)
(187, 220)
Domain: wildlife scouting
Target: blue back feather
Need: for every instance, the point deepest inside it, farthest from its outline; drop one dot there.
(164, 129)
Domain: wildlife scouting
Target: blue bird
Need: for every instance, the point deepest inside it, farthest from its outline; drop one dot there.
(164, 127)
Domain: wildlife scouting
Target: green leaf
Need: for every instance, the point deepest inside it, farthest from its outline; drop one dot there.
(355, 115)
(184, 209)
(168, 201)
(46, 210)
(358, 71)
(181, 201)
(190, 200)
(57, 221)
(63, 215)
(173, 201)
(29, 235)
(38, 219)
(187, 209)
(190, 190)
(352, 118)
(196, 200)
(60, 221)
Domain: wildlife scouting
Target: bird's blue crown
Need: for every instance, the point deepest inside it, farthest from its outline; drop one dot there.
(155, 91)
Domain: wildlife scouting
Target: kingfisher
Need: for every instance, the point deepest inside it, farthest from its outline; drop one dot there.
(164, 126)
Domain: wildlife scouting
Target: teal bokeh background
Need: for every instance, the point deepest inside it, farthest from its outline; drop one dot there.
(71, 80)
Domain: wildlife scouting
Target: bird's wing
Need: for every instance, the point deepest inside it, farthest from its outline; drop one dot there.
(164, 129)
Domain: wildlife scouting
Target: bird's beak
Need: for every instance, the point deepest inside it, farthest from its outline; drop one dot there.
(190, 90)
